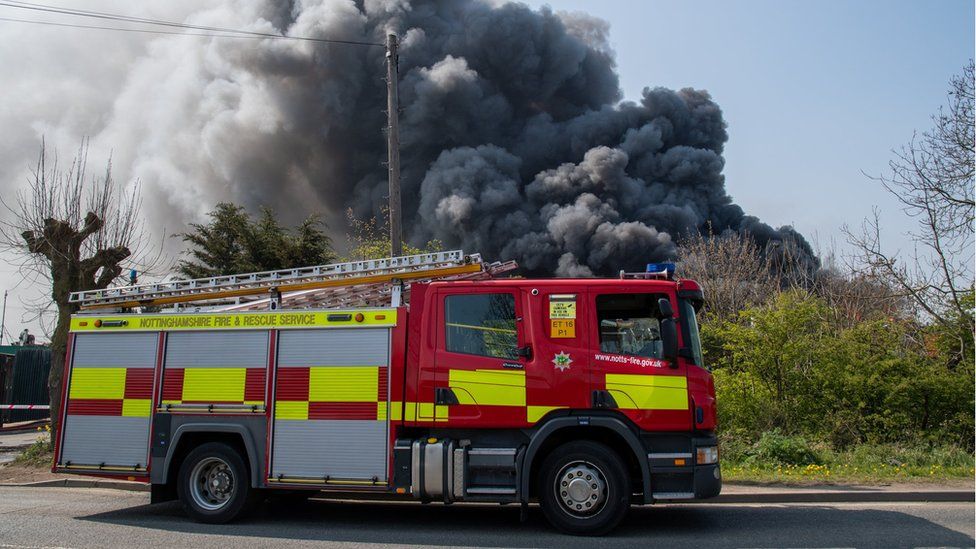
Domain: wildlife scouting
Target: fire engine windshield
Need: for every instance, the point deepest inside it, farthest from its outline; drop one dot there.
(630, 324)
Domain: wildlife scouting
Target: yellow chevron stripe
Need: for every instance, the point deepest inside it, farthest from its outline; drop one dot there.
(214, 384)
(100, 383)
(535, 413)
(136, 407)
(488, 387)
(289, 409)
(648, 392)
(343, 384)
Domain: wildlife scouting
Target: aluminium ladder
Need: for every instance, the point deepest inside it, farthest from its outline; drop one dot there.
(334, 275)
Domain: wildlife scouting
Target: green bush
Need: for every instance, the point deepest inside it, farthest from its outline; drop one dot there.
(776, 448)
(786, 367)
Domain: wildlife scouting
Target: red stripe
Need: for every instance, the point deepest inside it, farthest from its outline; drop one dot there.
(173, 384)
(382, 384)
(292, 384)
(95, 407)
(254, 384)
(341, 410)
(138, 382)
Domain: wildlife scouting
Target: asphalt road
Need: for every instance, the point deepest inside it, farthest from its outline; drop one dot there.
(80, 517)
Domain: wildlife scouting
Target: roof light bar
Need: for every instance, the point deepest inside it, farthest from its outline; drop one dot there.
(663, 270)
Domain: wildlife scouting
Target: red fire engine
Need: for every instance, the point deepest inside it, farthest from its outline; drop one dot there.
(586, 395)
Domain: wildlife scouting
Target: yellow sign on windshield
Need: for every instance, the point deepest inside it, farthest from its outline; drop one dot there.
(562, 306)
(562, 316)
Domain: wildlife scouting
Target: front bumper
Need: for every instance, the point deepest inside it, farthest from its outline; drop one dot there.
(675, 473)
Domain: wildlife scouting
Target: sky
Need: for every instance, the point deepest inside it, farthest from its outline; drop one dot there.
(815, 94)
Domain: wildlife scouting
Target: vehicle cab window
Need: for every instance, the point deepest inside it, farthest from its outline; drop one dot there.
(481, 324)
(630, 324)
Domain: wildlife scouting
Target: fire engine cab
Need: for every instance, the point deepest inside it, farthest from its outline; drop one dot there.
(584, 395)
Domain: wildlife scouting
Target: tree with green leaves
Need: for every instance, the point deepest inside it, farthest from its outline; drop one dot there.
(232, 242)
(370, 239)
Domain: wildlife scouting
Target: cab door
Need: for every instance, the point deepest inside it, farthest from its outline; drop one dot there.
(628, 370)
(558, 378)
(480, 358)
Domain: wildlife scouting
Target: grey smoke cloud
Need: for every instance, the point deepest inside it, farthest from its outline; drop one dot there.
(514, 141)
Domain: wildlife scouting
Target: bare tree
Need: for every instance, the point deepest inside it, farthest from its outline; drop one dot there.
(731, 267)
(853, 298)
(73, 232)
(932, 177)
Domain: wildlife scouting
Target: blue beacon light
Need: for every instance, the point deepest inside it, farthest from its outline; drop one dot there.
(661, 268)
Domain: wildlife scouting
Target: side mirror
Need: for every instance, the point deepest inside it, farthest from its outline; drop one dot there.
(664, 304)
(669, 341)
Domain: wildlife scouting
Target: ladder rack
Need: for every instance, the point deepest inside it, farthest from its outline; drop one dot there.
(373, 271)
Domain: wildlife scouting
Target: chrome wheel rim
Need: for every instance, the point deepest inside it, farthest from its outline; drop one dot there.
(212, 483)
(581, 489)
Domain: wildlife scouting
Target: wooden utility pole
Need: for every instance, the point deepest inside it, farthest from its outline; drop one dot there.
(393, 144)
(3, 319)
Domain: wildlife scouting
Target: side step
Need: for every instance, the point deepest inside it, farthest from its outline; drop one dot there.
(673, 495)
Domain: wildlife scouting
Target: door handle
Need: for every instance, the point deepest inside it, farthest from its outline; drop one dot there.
(602, 398)
(445, 396)
(513, 365)
(524, 352)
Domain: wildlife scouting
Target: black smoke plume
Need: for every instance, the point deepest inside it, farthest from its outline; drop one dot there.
(515, 142)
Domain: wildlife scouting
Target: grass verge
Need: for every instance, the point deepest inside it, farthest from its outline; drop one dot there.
(842, 473)
(780, 459)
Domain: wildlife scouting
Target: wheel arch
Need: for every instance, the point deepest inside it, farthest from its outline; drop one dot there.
(186, 437)
(610, 430)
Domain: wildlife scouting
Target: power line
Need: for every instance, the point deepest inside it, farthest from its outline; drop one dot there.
(159, 22)
(148, 31)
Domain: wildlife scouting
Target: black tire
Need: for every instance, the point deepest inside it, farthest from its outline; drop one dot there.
(219, 503)
(584, 488)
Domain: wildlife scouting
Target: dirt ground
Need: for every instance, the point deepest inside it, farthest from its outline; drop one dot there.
(12, 473)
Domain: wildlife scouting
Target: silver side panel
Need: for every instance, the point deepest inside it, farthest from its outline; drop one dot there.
(354, 449)
(108, 440)
(108, 350)
(334, 347)
(215, 349)
(341, 449)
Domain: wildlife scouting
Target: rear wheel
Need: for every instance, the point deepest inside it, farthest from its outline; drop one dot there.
(585, 489)
(214, 485)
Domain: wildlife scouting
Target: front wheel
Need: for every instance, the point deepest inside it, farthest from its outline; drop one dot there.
(585, 489)
(213, 484)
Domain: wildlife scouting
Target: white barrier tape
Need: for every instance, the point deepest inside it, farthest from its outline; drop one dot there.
(24, 407)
